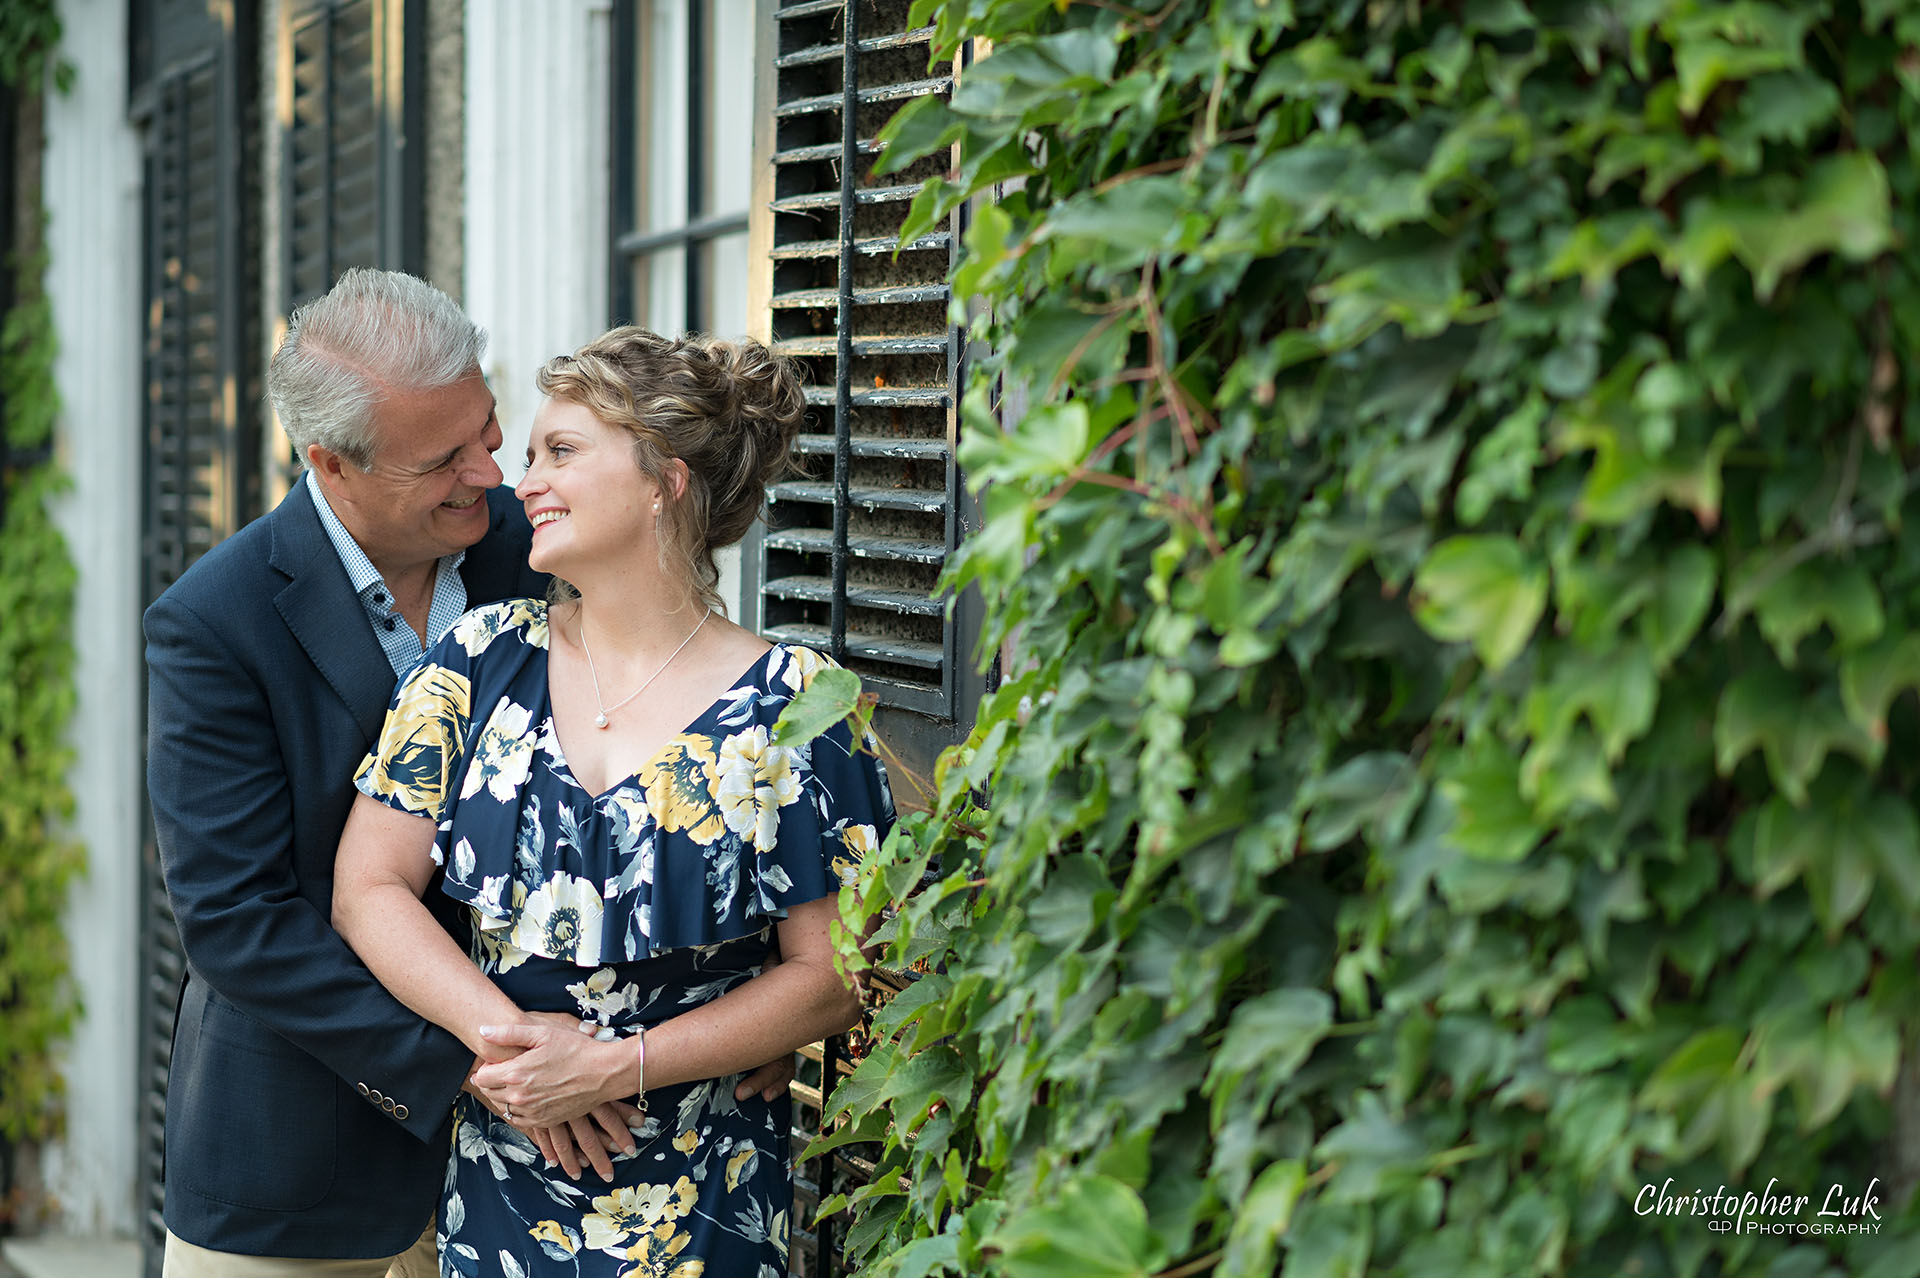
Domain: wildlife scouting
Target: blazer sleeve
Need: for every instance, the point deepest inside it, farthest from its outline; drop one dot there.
(224, 812)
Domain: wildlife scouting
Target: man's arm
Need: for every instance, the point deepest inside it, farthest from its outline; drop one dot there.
(223, 809)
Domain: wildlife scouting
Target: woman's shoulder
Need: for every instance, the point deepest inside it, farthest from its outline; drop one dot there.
(482, 627)
(791, 668)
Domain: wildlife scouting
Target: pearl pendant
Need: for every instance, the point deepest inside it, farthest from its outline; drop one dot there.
(599, 721)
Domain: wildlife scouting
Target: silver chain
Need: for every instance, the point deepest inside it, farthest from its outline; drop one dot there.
(600, 720)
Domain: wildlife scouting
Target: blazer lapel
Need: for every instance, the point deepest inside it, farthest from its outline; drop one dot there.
(496, 567)
(325, 616)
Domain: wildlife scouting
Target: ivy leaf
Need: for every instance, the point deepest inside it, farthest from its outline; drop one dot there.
(1872, 677)
(1261, 1218)
(1052, 441)
(1483, 588)
(832, 695)
(1093, 1227)
(1842, 846)
(934, 1074)
(1492, 822)
(1795, 732)
(1704, 1088)
(1374, 788)
(1789, 606)
(1827, 1059)
(1137, 215)
(1682, 593)
(859, 1091)
(917, 130)
(1371, 1153)
(1270, 1037)
(1710, 47)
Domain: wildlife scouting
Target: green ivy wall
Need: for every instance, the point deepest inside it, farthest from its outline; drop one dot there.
(1461, 563)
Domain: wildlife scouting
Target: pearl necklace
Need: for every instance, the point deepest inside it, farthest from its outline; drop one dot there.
(600, 720)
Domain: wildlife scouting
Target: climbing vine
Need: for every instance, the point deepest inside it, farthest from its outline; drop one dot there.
(1451, 532)
(38, 860)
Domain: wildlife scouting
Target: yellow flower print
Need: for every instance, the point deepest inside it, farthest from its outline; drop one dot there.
(637, 1223)
(630, 805)
(685, 1195)
(857, 841)
(599, 1000)
(655, 1250)
(756, 781)
(420, 742)
(801, 665)
(678, 782)
(478, 629)
(491, 933)
(552, 1236)
(561, 919)
(503, 755)
(686, 1141)
(741, 1164)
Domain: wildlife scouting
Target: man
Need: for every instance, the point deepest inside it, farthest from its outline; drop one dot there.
(307, 1110)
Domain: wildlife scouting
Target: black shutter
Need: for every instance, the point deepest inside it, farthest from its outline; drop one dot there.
(194, 93)
(352, 71)
(857, 540)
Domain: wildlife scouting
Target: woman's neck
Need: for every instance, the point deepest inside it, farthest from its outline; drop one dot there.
(635, 618)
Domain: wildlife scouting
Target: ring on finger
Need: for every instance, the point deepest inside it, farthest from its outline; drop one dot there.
(506, 1112)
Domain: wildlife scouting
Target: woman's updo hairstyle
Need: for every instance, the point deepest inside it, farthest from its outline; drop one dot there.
(729, 410)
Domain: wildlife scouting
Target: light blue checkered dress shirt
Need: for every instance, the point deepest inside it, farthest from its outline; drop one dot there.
(397, 639)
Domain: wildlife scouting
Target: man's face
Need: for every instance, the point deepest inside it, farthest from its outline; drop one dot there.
(425, 496)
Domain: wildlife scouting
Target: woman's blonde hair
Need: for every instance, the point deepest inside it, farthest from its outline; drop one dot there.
(728, 409)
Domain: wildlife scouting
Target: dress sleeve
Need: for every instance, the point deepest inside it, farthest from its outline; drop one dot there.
(843, 809)
(422, 746)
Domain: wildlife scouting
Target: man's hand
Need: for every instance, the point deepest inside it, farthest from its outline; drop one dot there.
(591, 1140)
(770, 1080)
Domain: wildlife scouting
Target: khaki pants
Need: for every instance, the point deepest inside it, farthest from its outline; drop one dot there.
(184, 1260)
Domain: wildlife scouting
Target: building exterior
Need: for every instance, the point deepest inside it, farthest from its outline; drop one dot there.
(559, 167)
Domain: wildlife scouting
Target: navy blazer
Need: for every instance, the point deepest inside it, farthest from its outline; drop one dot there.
(307, 1110)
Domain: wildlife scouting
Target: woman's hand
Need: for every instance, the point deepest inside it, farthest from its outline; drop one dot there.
(788, 1005)
(590, 1140)
(556, 1073)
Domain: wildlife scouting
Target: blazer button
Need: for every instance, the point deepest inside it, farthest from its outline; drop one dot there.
(386, 1103)
(362, 1088)
(373, 1094)
(400, 1112)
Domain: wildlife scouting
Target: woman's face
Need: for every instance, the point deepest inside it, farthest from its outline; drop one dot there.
(590, 505)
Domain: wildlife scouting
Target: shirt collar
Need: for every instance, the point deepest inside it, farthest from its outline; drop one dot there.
(360, 569)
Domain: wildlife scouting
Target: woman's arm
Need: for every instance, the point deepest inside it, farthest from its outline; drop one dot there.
(784, 1008)
(379, 877)
(381, 872)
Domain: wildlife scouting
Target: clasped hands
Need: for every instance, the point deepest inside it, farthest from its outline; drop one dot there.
(547, 1075)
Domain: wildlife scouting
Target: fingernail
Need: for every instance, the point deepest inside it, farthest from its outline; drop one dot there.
(549, 1162)
(486, 1030)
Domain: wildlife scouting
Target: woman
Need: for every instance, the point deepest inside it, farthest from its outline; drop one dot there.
(597, 777)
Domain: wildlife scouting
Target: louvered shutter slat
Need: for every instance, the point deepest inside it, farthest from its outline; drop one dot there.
(890, 426)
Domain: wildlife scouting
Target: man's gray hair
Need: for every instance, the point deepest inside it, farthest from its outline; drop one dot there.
(372, 334)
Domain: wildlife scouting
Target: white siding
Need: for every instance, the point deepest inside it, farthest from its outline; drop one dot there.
(92, 184)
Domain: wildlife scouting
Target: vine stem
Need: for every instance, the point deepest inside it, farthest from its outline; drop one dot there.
(1200, 1265)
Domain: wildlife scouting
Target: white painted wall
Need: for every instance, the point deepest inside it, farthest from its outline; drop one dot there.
(92, 187)
(536, 191)
(538, 139)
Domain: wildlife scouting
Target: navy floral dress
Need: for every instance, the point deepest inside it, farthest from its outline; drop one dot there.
(623, 908)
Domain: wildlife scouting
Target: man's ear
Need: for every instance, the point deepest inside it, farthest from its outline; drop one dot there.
(325, 463)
